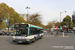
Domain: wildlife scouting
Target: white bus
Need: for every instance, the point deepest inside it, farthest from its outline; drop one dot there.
(27, 33)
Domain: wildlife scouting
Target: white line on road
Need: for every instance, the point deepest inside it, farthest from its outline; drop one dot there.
(48, 35)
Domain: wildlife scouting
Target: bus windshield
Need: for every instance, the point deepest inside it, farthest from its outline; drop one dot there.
(21, 32)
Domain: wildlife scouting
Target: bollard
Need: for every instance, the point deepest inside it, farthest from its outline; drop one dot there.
(63, 33)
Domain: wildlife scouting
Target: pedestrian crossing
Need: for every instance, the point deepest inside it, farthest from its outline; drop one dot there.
(49, 36)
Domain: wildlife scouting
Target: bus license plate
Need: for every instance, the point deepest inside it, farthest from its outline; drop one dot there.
(20, 41)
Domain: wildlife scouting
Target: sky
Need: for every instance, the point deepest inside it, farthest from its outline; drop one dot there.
(48, 9)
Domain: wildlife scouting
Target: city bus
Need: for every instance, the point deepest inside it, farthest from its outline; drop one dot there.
(27, 33)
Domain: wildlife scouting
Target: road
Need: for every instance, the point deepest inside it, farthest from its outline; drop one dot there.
(48, 42)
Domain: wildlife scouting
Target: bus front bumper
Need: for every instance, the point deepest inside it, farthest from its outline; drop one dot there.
(22, 40)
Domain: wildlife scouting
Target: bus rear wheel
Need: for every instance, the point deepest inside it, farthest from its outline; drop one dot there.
(41, 37)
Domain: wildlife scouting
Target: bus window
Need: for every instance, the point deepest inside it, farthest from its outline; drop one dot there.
(33, 31)
(40, 31)
(21, 32)
(24, 31)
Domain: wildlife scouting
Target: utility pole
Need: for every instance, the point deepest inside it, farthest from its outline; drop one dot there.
(60, 20)
(27, 12)
(60, 16)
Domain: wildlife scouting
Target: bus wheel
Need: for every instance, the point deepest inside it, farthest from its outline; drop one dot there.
(14, 41)
(34, 40)
(41, 37)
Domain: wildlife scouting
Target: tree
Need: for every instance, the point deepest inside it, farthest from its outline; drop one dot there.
(67, 21)
(2, 25)
(9, 14)
(57, 24)
(49, 25)
(35, 19)
(12, 17)
(11, 21)
(3, 11)
(21, 20)
(71, 25)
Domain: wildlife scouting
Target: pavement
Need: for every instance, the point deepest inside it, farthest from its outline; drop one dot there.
(48, 42)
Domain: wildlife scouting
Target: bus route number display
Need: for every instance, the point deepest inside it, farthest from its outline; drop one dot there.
(23, 25)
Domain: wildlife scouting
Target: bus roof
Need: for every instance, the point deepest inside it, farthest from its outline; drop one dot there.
(35, 26)
(30, 25)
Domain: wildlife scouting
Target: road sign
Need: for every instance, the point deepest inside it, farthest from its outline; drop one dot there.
(56, 26)
(60, 26)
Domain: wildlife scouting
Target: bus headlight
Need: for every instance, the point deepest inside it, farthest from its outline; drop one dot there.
(27, 39)
(14, 37)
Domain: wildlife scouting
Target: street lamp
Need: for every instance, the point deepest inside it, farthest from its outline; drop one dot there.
(60, 19)
(60, 15)
(27, 12)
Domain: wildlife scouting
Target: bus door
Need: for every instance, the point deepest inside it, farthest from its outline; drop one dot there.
(24, 31)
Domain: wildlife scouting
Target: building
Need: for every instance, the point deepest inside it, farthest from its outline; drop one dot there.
(73, 17)
(24, 16)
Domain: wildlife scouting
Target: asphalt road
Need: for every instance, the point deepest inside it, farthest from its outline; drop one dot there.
(48, 42)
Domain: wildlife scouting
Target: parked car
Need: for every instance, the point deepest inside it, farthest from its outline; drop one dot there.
(71, 31)
(74, 31)
(1, 33)
(11, 33)
(4, 33)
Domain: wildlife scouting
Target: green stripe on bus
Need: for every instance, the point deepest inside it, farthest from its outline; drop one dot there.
(35, 27)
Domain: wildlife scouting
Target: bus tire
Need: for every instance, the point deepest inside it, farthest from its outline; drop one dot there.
(34, 40)
(14, 41)
(41, 36)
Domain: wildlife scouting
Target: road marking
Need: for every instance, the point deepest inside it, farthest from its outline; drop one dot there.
(48, 35)
(44, 36)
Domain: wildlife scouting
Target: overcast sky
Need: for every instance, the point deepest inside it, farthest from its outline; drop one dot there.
(49, 9)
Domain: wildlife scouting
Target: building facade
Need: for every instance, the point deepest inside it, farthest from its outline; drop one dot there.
(73, 17)
(24, 16)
